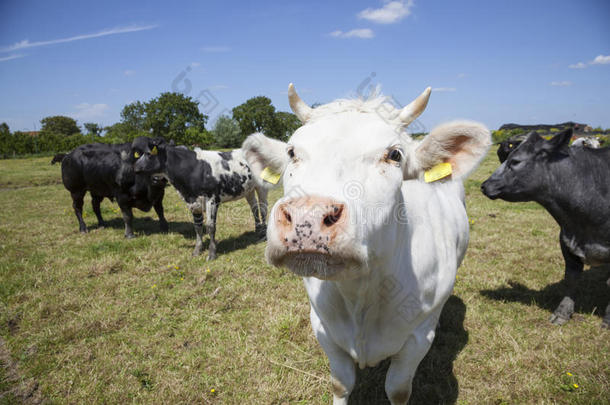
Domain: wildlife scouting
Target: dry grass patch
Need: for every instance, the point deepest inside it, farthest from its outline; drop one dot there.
(97, 318)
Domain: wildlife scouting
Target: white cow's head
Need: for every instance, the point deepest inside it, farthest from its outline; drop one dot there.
(342, 174)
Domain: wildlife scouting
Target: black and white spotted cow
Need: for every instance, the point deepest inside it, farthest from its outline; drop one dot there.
(204, 180)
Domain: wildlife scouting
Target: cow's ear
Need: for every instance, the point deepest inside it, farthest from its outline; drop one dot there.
(560, 141)
(461, 144)
(263, 153)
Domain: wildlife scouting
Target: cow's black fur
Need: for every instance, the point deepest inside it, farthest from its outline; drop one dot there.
(509, 145)
(58, 158)
(573, 184)
(106, 171)
(204, 179)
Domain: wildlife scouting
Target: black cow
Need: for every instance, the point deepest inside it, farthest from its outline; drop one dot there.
(509, 145)
(573, 184)
(204, 179)
(58, 158)
(107, 171)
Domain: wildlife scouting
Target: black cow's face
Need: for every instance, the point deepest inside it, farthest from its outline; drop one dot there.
(148, 155)
(521, 176)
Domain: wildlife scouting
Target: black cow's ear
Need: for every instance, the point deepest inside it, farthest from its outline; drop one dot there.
(172, 142)
(559, 141)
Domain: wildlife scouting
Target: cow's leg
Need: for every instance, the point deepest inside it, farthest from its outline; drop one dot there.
(399, 379)
(342, 367)
(251, 198)
(211, 211)
(262, 204)
(95, 203)
(128, 219)
(573, 270)
(198, 224)
(159, 210)
(77, 204)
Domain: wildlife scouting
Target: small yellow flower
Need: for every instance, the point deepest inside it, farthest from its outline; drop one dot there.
(154, 286)
(181, 278)
(575, 385)
(212, 391)
(569, 374)
(177, 267)
(207, 270)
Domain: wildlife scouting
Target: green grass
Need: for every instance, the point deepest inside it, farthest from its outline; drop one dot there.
(97, 318)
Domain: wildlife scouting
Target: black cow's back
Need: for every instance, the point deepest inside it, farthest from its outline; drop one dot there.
(95, 168)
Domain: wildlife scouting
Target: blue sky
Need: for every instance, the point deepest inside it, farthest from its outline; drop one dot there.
(491, 61)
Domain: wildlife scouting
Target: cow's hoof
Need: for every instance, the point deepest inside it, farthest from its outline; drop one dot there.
(84, 230)
(211, 257)
(605, 324)
(101, 225)
(164, 227)
(559, 319)
(130, 236)
(196, 252)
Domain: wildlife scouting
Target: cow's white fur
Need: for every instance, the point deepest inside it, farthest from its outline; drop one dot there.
(410, 236)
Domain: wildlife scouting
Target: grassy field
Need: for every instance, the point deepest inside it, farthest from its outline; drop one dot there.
(97, 318)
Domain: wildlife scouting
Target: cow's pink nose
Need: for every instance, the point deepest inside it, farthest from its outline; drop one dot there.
(310, 224)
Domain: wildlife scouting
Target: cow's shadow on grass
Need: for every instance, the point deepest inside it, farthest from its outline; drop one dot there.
(434, 381)
(150, 226)
(592, 295)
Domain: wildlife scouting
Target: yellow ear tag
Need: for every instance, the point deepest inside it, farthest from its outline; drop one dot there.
(270, 176)
(510, 145)
(440, 171)
(154, 150)
(136, 154)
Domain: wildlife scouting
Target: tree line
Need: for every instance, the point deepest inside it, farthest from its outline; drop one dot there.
(171, 115)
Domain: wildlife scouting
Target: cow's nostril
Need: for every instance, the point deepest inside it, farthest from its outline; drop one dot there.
(287, 216)
(334, 216)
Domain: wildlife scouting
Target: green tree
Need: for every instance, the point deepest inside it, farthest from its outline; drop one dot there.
(197, 137)
(5, 140)
(93, 129)
(288, 123)
(60, 124)
(121, 132)
(169, 115)
(227, 133)
(257, 115)
(133, 117)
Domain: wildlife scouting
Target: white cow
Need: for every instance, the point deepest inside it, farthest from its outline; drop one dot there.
(378, 248)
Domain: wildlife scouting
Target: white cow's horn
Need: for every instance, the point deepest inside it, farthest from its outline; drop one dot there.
(409, 113)
(302, 110)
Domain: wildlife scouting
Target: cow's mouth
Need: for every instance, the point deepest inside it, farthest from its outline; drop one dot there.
(320, 265)
(158, 179)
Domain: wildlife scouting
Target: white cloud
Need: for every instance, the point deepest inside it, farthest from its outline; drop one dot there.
(444, 89)
(11, 57)
(215, 49)
(112, 31)
(195, 64)
(365, 33)
(564, 83)
(601, 60)
(86, 111)
(390, 13)
(578, 65)
(129, 72)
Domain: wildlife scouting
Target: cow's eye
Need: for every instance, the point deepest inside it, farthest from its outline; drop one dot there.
(395, 155)
(136, 155)
(290, 152)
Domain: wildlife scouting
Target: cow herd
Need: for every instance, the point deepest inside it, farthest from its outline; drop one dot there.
(373, 220)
